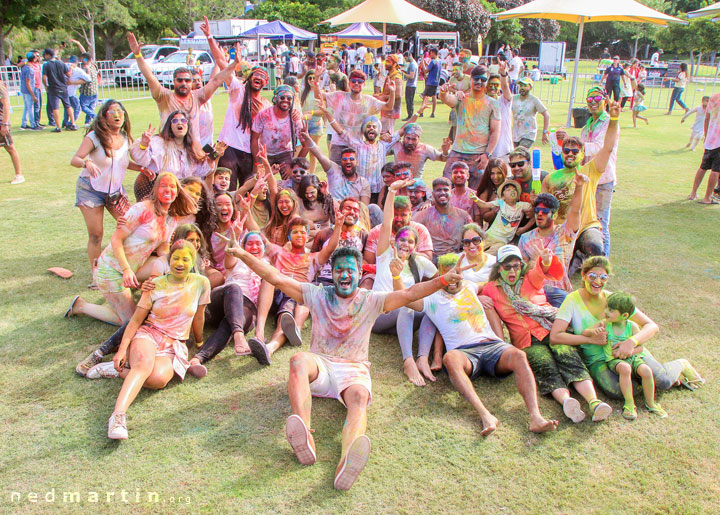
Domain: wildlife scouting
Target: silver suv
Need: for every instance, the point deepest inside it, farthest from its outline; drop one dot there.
(202, 60)
(127, 71)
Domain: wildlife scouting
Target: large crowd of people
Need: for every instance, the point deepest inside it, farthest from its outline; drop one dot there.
(222, 237)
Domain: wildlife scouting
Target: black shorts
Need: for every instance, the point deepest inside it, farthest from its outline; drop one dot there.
(240, 164)
(711, 160)
(6, 141)
(430, 91)
(282, 303)
(55, 97)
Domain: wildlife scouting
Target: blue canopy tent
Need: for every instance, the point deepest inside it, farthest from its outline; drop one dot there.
(362, 32)
(279, 30)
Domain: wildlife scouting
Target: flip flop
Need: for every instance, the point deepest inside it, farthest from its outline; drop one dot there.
(60, 272)
(290, 329)
(712, 202)
(355, 460)
(260, 351)
(692, 384)
(68, 313)
(198, 371)
(298, 436)
(629, 412)
(657, 411)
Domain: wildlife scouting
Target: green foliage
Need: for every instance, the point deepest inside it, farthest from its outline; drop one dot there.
(303, 14)
(471, 17)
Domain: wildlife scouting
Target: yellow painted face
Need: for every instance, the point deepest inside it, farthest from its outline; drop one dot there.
(181, 263)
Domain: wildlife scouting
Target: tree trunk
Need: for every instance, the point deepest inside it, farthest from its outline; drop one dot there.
(2, 43)
(637, 39)
(692, 62)
(92, 39)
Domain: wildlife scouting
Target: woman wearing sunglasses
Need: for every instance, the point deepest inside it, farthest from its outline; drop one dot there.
(583, 309)
(170, 151)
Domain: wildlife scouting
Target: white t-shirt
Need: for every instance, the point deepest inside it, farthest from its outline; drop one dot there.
(478, 276)
(112, 168)
(655, 59)
(517, 64)
(383, 277)
(460, 318)
(505, 142)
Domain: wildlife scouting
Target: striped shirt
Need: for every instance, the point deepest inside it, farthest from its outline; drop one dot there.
(371, 158)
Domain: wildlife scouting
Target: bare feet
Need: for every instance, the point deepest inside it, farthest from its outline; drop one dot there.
(241, 345)
(692, 197)
(540, 425)
(412, 373)
(489, 423)
(424, 368)
(436, 365)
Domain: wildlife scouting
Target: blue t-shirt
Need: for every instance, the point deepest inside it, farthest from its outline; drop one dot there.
(433, 77)
(613, 74)
(27, 72)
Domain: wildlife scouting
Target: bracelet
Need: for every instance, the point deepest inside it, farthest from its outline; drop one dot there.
(443, 281)
(199, 344)
(142, 147)
(395, 277)
(253, 196)
(634, 340)
(614, 119)
(137, 55)
(258, 164)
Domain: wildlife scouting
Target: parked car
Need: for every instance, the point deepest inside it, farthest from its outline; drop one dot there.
(126, 70)
(164, 69)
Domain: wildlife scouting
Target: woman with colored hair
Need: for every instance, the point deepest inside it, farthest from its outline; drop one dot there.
(584, 308)
(153, 344)
(285, 208)
(496, 172)
(104, 158)
(414, 269)
(127, 260)
(316, 205)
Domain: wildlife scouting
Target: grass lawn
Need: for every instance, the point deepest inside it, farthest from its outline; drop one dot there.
(218, 445)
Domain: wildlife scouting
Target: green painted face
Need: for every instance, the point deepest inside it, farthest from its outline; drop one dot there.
(346, 276)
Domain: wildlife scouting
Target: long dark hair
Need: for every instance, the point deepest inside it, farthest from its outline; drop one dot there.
(412, 263)
(324, 200)
(306, 86)
(100, 126)
(485, 183)
(245, 118)
(277, 219)
(166, 133)
(206, 217)
(181, 234)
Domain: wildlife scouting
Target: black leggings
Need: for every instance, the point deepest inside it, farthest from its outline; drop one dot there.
(230, 311)
(240, 164)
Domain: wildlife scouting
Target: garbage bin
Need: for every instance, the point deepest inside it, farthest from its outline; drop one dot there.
(580, 117)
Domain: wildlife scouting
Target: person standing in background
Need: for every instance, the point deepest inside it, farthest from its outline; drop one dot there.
(411, 74)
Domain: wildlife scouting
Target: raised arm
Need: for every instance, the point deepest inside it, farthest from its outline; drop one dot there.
(215, 49)
(447, 98)
(573, 216)
(504, 81)
(144, 67)
(602, 157)
(412, 297)
(388, 213)
(325, 253)
(225, 75)
(269, 273)
(315, 150)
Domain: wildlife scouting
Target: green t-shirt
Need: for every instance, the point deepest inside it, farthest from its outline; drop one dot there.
(574, 311)
(614, 339)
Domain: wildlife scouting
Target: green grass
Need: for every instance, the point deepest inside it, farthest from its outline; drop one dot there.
(218, 443)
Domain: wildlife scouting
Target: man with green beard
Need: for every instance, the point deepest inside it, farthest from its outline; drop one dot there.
(525, 108)
(561, 184)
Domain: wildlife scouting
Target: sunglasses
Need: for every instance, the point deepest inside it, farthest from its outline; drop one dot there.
(596, 99)
(351, 159)
(594, 277)
(543, 210)
(518, 164)
(299, 171)
(114, 112)
(175, 121)
(405, 173)
(573, 151)
(183, 80)
(357, 81)
(514, 266)
(477, 241)
(285, 97)
(479, 78)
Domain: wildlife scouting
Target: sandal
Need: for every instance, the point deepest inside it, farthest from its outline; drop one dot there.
(657, 410)
(693, 384)
(69, 312)
(629, 412)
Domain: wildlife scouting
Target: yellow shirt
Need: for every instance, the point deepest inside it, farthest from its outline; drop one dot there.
(560, 183)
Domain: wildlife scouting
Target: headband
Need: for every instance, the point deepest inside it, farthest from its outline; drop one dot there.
(413, 128)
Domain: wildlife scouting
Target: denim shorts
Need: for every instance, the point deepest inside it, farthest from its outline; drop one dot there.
(484, 357)
(87, 196)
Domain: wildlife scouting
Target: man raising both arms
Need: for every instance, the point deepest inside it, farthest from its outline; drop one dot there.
(478, 126)
(337, 365)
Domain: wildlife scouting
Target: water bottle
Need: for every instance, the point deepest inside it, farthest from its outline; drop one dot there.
(536, 170)
(556, 150)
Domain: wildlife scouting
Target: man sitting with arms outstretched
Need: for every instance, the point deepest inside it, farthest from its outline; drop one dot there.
(473, 349)
(337, 365)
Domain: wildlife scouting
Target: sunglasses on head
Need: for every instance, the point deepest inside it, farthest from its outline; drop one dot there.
(517, 164)
(357, 81)
(477, 240)
(593, 276)
(596, 99)
(543, 210)
(175, 121)
(573, 151)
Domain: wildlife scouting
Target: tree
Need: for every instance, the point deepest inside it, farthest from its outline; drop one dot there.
(16, 13)
(471, 17)
(305, 14)
(534, 30)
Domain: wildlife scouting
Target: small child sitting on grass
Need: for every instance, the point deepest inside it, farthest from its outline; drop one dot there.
(507, 221)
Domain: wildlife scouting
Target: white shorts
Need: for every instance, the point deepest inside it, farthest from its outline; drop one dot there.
(334, 377)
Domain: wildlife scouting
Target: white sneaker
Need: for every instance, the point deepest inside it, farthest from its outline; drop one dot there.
(103, 370)
(117, 427)
(572, 410)
(19, 179)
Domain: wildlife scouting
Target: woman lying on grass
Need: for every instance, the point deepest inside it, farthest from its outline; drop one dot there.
(153, 344)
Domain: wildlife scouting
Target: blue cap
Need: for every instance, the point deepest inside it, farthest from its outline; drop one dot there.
(73, 59)
(30, 54)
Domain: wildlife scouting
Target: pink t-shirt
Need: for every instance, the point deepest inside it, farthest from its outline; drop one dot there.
(173, 306)
(275, 132)
(147, 232)
(248, 280)
(417, 158)
(444, 229)
(350, 113)
(231, 133)
(341, 326)
(301, 267)
(713, 112)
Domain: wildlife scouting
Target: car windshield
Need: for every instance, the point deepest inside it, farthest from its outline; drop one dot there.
(177, 57)
(146, 52)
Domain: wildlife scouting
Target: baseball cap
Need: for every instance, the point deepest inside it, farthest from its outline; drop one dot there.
(525, 80)
(508, 251)
(419, 184)
(30, 54)
(73, 59)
